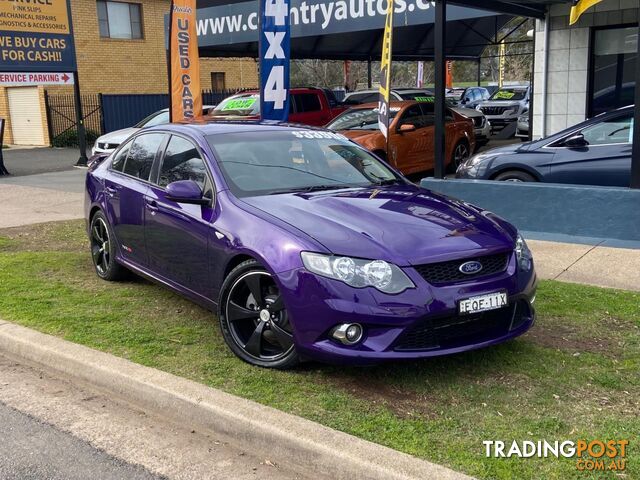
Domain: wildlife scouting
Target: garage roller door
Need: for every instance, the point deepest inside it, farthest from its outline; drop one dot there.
(26, 116)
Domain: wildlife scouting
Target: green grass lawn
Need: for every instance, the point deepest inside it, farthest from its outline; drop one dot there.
(575, 375)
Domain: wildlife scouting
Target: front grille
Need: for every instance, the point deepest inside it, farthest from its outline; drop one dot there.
(449, 272)
(450, 332)
(479, 122)
(494, 110)
(107, 146)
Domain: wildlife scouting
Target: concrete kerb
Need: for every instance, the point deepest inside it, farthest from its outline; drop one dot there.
(301, 445)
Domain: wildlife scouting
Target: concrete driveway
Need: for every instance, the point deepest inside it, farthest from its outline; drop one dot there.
(41, 198)
(21, 161)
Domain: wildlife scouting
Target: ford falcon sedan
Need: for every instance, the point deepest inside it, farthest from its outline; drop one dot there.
(306, 245)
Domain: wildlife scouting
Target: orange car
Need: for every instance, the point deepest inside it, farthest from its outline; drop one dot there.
(411, 134)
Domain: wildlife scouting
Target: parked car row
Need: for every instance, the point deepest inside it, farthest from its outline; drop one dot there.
(596, 152)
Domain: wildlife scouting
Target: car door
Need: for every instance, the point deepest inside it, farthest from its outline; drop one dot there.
(176, 233)
(605, 159)
(125, 187)
(413, 150)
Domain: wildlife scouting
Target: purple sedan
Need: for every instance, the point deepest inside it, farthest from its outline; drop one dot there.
(306, 245)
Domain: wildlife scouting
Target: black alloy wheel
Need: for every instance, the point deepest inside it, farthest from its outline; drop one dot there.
(254, 319)
(103, 250)
(460, 153)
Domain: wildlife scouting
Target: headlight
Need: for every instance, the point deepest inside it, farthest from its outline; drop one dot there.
(384, 276)
(478, 158)
(523, 254)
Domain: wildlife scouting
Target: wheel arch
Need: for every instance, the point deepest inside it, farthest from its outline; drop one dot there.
(516, 168)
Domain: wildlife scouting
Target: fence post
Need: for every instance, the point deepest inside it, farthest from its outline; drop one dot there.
(48, 109)
(102, 129)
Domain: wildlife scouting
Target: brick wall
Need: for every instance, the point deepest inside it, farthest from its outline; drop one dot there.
(139, 66)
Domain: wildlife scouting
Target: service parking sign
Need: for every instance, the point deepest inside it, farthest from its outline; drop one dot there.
(275, 43)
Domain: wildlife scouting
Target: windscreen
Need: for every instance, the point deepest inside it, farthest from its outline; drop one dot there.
(277, 162)
(245, 104)
(359, 119)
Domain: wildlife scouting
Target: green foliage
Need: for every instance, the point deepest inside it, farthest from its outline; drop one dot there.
(70, 138)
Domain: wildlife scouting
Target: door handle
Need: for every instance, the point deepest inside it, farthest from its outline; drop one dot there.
(111, 191)
(151, 205)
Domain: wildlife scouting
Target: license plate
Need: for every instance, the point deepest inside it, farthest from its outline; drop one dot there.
(483, 303)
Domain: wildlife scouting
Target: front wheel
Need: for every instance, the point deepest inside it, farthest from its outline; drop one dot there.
(515, 176)
(461, 153)
(254, 320)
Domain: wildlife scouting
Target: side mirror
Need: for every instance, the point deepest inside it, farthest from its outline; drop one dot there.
(407, 127)
(186, 191)
(576, 141)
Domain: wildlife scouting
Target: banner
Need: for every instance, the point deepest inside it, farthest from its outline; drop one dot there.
(36, 37)
(579, 7)
(275, 52)
(502, 60)
(449, 76)
(184, 63)
(420, 76)
(385, 72)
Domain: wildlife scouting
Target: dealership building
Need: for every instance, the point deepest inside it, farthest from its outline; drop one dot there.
(584, 69)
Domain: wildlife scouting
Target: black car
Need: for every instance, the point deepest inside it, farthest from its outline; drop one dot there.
(469, 97)
(594, 152)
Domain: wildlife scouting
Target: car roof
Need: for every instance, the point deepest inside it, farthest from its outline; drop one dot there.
(209, 127)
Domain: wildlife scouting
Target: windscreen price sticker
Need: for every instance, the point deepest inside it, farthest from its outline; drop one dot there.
(275, 40)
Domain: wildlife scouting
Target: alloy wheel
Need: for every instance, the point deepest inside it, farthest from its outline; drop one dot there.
(100, 246)
(257, 318)
(460, 154)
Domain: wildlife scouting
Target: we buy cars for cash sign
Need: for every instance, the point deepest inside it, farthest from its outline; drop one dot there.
(36, 36)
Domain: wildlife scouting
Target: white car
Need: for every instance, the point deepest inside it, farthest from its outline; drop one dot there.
(108, 142)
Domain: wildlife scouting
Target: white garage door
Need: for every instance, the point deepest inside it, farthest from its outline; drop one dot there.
(26, 117)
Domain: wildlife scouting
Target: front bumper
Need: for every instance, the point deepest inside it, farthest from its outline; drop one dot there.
(418, 323)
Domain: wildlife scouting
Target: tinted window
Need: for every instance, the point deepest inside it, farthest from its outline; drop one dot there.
(307, 102)
(141, 155)
(613, 68)
(359, 119)
(414, 116)
(118, 161)
(613, 130)
(182, 162)
(358, 98)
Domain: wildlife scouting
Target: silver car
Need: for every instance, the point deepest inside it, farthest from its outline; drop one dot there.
(506, 105)
(522, 127)
(108, 142)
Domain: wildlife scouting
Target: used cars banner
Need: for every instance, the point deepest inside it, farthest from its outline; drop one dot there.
(36, 37)
(385, 72)
(274, 59)
(184, 62)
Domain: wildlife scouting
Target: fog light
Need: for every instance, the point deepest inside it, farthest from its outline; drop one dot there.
(348, 333)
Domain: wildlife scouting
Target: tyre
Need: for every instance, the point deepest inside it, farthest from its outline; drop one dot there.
(253, 318)
(461, 152)
(103, 250)
(515, 176)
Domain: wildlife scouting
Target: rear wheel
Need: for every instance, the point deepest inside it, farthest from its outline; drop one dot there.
(254, 319)
(515, 176)
(103, 249)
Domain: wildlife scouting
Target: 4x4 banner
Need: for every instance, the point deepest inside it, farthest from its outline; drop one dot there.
(36, 36)
(275, 51)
